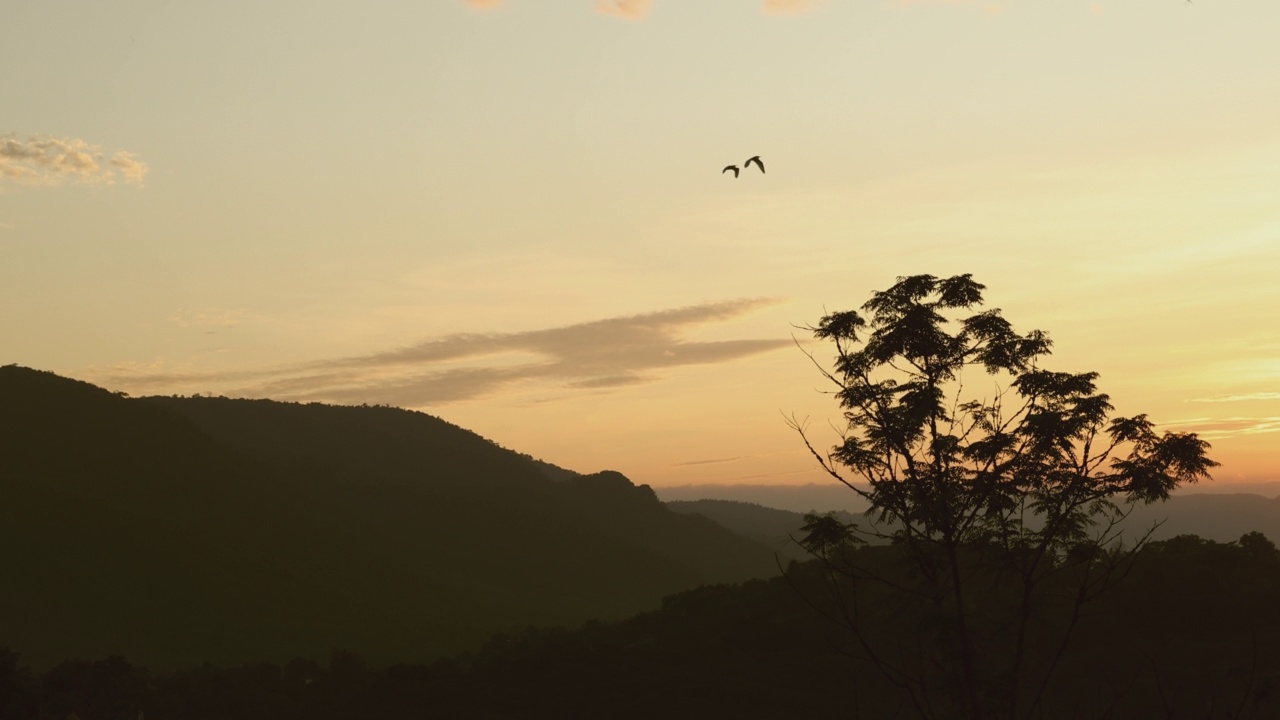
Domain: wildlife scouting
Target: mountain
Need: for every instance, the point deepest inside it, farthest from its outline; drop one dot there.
(757, 511)
(1222, 518)
(811, 497)
(183, 530)
(1270, 489)
(776, 528)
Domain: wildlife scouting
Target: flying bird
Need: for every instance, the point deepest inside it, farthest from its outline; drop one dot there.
(727, 168)
(754, 159)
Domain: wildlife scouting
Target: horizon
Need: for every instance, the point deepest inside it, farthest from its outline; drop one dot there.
(512, 215)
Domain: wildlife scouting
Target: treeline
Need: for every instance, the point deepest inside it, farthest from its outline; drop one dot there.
(1190, 631)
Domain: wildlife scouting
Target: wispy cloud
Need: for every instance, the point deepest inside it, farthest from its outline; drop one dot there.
(1238, 398)
(627, 9)
(713, 461)
(1215, 428)
(47, 160)
(592, 356)
(129, 166)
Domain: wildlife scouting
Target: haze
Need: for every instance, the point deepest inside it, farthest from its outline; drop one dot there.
(511, 214)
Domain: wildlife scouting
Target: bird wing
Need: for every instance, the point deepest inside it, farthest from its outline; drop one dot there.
(727, 168)
(756, 159)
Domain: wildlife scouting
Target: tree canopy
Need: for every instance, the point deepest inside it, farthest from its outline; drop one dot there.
(954, 467)
(1004, 503)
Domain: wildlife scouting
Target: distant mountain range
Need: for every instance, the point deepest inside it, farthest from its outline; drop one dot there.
(1219, 517)
(183, 530)
(811, 497)
(822, 497)
(778, 529)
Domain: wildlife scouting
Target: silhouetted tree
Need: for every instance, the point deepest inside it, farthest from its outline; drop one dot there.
(1260, 547)
(1002, 505)
(17, 696)
(111, 689)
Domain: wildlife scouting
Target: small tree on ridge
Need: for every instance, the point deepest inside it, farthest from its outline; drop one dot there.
(1023, 487)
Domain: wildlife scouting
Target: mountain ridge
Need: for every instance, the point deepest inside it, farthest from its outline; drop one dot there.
(184, 530)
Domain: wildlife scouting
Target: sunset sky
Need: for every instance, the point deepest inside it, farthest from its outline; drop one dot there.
(511, 213)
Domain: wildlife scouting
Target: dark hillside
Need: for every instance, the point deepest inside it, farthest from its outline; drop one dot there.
(471, 490)
(376, 445)
(633, 516)
(1165, 641)
(183, 530)
(770, 526)
(778, 529)
(121, 520)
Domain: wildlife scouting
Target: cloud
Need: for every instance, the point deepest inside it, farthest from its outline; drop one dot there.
(420, 389)
(591, 356)
(628, 9)
(713, 461)
(610, 381)
(1217, 428)
(788, 7)
(485, 4)
(1238, 398)
(133, 169)
(47, 160)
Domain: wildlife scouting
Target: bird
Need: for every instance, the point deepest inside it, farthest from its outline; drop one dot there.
(727, 168)
(754, 159)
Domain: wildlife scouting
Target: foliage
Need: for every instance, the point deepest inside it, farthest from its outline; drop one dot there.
(826, 534)
(1036, 462)
(1021, 487)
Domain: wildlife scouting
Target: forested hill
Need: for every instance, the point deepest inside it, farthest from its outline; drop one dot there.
(183, 530)
(375, 445)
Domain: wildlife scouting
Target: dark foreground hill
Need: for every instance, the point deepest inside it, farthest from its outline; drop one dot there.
(1169, 640)
(181, 530)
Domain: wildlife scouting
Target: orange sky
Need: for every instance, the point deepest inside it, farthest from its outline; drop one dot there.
(511, 214)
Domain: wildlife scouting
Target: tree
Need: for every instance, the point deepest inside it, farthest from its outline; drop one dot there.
(1002, 508)
(17, 695)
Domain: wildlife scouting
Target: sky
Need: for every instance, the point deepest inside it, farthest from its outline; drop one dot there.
(511, 213)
